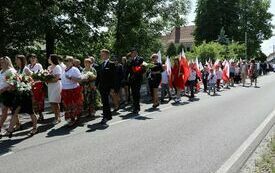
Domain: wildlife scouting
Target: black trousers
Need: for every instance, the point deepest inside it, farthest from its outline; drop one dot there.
(191, 86)
(204, 85)
(107, 114)
(135, 87)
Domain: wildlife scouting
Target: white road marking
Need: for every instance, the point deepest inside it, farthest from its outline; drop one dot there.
(245, 150)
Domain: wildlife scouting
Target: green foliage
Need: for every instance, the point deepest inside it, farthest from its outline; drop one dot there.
(139, 23)
(180, 48)
(214, 51)
(236, 17)
(171, 50)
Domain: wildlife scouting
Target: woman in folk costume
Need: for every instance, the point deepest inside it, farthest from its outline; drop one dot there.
(23, 102)
(7, 95)
(55, 86)
(38, 87)
(72, 96)
(178, 78)
(91, 95)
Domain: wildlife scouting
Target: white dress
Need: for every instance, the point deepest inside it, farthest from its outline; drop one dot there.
(54, 89)
(35, 68)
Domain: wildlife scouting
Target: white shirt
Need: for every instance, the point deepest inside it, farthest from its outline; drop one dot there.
(57, 70)
(36, 68)
(25, 71)
(237, 70)
(212, 78)
(164, 77)
(219, 74)
(67, 83)
(105, 62)
(3, 81)
(193, 75)
(63, 67)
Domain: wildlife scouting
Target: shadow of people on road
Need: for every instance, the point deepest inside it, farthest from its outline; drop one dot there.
(97, 126)
(7, 145)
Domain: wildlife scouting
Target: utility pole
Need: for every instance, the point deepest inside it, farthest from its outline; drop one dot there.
(245, 37)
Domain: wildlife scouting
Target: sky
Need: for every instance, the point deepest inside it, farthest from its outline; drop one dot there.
(267, 46)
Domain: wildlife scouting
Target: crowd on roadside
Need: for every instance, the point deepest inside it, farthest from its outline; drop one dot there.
(82, 90)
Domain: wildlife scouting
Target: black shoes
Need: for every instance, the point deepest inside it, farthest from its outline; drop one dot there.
(105, 120)
(155, 106)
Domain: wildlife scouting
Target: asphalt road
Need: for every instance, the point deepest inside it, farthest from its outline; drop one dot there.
(194, 137)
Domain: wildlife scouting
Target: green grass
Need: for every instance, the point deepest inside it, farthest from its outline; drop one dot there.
(267, 162)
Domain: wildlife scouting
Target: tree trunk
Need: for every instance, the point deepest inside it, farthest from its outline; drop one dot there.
(50, 47)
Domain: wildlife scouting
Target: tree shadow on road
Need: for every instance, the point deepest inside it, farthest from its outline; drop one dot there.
(7, 145)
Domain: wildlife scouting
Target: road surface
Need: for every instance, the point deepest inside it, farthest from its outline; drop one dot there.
(194, 137)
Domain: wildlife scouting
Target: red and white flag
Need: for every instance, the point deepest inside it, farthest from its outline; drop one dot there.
(159, 57)
(225, 72)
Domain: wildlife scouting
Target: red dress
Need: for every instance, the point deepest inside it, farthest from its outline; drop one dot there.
(38, 96)
(178, 79)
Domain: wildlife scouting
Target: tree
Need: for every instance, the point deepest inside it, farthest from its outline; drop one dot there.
(139, 23)
(172, 50)
(222, 38)
(212, 15)
(237, 17)
(256, 21)
(69, 25)
(180, 48)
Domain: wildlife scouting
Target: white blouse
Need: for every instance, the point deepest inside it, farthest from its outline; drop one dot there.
(67, 83)
(35, 68)
(3, 75)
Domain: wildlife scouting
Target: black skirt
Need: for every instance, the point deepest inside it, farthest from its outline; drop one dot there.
(155, 81)
(8, 98)
(24, 100)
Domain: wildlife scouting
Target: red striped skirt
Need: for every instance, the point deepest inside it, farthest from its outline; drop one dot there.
(72, 100)
(38, 96)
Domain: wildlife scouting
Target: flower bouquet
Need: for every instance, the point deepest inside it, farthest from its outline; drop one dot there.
(20, 83)
(88, 76)
(43, 76)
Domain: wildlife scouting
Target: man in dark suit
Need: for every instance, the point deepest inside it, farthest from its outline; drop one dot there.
(135, 80)
(106, 76)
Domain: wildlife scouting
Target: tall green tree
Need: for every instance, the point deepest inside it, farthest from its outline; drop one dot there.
(139, 23)
(237, 17)
(69, 24)
(212, 15)
(255, 20)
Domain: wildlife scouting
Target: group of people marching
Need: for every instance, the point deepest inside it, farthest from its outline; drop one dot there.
(80, 91)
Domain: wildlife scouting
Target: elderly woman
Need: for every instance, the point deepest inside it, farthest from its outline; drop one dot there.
(71, 92)
(154, 79)
(90, 92)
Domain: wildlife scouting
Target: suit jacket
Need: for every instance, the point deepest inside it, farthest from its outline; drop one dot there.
(106, 76)
(136, 77)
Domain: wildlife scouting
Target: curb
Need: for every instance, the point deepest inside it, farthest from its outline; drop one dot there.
(242, 154)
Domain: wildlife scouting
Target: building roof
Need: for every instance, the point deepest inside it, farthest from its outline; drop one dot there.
(271, 56)
(186, 35)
